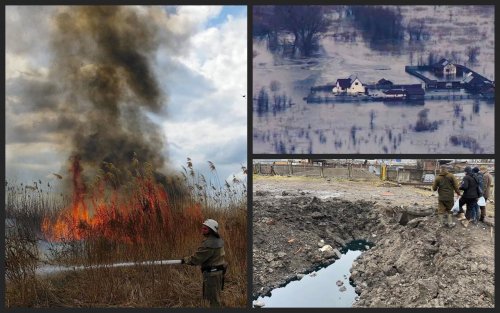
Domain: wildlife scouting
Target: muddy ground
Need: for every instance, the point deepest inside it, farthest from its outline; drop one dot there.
(419, 264)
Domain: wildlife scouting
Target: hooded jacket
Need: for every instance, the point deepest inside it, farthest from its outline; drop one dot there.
(469, 186)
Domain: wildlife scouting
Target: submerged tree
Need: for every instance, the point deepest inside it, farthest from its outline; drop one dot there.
(378, 24)
(417, 30)
(262, 101)
(306, 22)
(265, 25)
(473, 53)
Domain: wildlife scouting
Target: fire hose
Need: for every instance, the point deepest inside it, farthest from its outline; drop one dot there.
(50, 269)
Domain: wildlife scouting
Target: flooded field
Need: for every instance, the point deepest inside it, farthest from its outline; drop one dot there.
(288, 124)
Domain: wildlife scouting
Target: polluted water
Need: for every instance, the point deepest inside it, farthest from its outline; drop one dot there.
(325, 287)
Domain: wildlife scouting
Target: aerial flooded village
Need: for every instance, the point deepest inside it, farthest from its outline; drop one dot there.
(437, 79)
(373, 79)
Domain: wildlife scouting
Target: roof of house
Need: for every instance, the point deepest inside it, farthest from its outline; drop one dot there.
(353, 77)
(415, 90)
(394, 91)
(487, 89)
(468, 77)
(474, 80)
(443, 62)
(384, 81)
(344, 83)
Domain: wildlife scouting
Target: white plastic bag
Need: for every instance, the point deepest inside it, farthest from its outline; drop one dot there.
(455, 207)
(481, 201)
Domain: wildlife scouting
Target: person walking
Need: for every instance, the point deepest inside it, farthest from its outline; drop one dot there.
(469, 196)
(272, 170)
(210, 256)
(445, 184)
(478, 176)
(487, 184)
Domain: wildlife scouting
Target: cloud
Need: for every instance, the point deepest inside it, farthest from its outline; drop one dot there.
(33, 160)
(224, 145)
(187, 19)
(220, 54)
(204, 135)
(209, 121)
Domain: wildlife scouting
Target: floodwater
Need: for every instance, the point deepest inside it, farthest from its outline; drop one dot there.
(452, 126)
(320, 289)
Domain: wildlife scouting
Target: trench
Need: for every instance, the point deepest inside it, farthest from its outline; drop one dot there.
(328, 286)
(286, 231)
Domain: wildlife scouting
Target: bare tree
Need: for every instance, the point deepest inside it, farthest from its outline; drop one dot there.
(472, 53)
(416, 29)
(306, 22)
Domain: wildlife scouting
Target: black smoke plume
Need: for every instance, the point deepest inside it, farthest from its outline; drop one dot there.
(103, 58)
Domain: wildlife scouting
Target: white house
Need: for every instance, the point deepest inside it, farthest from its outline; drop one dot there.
(445, 67)
(450, 69)
(350, 86)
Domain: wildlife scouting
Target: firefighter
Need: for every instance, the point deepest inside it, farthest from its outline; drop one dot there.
(210, 256)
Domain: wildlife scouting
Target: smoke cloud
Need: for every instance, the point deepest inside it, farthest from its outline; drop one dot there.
(102, 61)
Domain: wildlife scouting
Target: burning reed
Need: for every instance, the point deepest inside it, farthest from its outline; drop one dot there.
(126, 211)
(104, 222)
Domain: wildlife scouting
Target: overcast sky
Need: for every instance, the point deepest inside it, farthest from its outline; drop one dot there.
(200, 64)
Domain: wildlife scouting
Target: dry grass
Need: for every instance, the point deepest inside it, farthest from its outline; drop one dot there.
(137, 286)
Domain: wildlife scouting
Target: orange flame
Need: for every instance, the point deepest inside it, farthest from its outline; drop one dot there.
(125, 215)
(193, 213)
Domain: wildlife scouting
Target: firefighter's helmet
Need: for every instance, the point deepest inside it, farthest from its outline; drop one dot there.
(212, 224)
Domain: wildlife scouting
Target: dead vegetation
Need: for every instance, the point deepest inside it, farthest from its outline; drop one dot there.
(136, 286)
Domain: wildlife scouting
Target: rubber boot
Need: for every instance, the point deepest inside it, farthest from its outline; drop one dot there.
(483, 213)
(450, 221)
(441, 220)
(460, 217)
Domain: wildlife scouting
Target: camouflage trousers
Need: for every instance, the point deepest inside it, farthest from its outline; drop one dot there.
(212, 286)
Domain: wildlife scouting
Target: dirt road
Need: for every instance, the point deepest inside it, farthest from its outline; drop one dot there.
(420, 264)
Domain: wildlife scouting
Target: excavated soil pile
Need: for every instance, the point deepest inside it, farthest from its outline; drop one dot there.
(424, 264)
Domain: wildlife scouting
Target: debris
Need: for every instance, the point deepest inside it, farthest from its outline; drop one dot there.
(258, 304)
(326, 248)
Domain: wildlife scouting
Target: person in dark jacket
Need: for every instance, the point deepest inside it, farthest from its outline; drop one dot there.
(487, 183)
(469, 196)
(478, 176)
(210, 256)
(446, 184)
